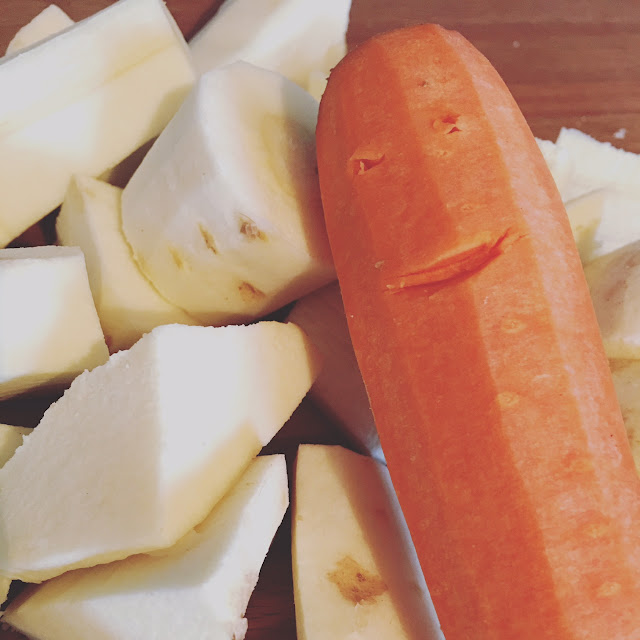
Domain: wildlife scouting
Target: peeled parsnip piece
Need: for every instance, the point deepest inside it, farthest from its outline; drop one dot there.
(614, 283)
(50, 20)
(82, 100)
(49, 328)
(339, 388)
(224, 213)
(128, 305)
(596, 165)
(603, 221)
(197, 589)
(355, 571)
(10, 439)
(138, 451)
(297, 38)
(626, 379)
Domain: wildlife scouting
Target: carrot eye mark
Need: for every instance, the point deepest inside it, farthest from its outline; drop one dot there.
(366, 157)
(360, 166)
(447, 124)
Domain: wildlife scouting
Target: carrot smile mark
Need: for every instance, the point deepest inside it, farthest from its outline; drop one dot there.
(461, 262)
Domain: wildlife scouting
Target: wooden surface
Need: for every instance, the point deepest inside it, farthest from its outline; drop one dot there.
(569, 63)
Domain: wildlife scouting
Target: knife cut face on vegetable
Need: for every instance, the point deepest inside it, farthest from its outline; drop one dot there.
(148, 443)
(199, 588)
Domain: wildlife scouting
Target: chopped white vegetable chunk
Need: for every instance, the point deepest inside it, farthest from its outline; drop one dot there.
(49, 328)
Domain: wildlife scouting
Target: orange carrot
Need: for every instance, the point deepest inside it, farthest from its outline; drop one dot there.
(478, 344)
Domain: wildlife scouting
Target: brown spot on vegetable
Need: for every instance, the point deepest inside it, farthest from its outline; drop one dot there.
(208, 238)
(355, 583)
(249, 229)
(178, 258)
(249, 292)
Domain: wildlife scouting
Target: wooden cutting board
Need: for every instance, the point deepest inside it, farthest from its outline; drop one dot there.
(568, 63)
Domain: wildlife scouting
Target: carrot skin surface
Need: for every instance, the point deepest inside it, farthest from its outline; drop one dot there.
(478, 344)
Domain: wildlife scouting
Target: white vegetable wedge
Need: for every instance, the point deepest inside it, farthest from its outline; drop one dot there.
(614, 283)
(84, 99)
(49, 21)
(11, 438)
(297, 38)
(339, 388)
(626, 379)
(198, 589)
(139, 450)
(128, 305)
(618, 225)
(49, 328)
(596, 165)
(355, 571)
(224, 213)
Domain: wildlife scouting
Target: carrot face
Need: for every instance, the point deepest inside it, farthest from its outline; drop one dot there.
(478, 344)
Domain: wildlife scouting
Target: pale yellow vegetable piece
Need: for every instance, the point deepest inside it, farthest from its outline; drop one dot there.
(302, 40)
(197, 589)
(82, 100)
(355, 571)
(127, 303)
(614, 283)
(339, 388)
(51, 20)
(626, 379)
(49, 328)
(224, 214)
(10, 439)
(139, 450)
(597, 165)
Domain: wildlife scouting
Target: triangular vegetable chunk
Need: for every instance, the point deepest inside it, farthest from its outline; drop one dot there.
(198, 589)
(139, 450)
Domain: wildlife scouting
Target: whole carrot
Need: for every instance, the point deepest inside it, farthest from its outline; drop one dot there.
(478, 344)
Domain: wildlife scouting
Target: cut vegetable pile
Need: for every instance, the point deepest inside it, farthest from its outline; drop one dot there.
(198, 188)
